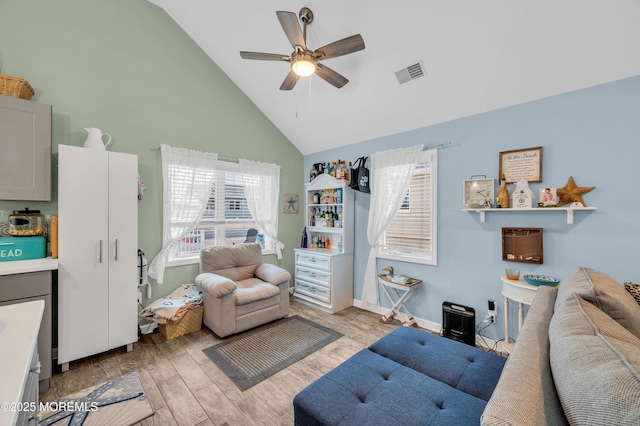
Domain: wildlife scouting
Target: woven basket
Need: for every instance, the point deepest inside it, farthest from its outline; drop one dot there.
(190, 322)
(15, 86)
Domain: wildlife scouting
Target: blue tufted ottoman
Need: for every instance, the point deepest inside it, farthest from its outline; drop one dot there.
(409, 377)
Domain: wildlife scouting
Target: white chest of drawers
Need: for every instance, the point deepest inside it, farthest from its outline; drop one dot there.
(324, 279)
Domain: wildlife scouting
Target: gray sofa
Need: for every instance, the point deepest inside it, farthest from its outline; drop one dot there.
(576, 361)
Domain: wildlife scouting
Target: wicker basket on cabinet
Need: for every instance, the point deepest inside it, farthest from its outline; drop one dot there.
(16, 87)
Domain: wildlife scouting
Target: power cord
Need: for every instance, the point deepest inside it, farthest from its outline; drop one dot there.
(479, 330)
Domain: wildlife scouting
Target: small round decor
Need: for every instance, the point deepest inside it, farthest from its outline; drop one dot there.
(541, 280)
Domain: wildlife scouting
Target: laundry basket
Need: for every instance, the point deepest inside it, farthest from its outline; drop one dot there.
(190, 322)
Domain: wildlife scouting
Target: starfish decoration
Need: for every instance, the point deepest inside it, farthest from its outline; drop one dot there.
(291, 204)
(571, 192)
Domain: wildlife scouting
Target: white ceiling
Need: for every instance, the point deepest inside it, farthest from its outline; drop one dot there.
(478, 56)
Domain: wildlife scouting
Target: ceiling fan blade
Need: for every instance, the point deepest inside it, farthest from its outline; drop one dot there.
(330, 76)
(264, 56)
(289, 22)
(341, 47)
(290, 81)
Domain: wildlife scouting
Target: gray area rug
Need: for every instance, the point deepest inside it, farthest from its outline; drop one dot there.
(252, 356)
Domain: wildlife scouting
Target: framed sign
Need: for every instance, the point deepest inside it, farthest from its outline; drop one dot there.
(290, 204)
(521, 164)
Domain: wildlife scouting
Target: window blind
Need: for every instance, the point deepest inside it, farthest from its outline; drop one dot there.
(410, 229)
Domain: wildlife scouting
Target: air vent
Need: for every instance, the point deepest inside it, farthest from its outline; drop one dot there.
(409, 73)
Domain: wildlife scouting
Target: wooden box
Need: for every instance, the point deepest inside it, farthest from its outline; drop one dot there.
(522, 245)
(190, 322)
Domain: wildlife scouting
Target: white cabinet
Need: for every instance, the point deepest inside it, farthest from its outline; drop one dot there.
(26, 287)
(324, 269)
(20, 367)
(98, 238)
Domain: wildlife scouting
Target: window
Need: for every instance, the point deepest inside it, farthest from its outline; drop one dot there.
(411, 235)
(226, 220)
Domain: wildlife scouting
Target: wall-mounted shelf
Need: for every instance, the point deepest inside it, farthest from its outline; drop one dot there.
(569, 211)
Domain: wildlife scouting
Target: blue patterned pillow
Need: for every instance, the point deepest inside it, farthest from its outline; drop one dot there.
(634, 289)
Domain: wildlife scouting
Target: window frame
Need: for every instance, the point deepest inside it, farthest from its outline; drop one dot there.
(430, 257)
(219, 224)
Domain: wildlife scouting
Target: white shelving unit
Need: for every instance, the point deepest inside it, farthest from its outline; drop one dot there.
(324, 276)
(568, 210)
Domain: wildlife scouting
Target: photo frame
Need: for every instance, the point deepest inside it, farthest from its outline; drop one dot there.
(290, 204)
(548, 197)
(521, 164)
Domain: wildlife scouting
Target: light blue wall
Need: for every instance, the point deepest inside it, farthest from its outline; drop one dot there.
(591, 134)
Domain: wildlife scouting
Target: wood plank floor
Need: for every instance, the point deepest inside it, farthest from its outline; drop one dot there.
(186, 388)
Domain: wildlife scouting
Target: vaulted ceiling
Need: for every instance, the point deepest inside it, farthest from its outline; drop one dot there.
(477, 56)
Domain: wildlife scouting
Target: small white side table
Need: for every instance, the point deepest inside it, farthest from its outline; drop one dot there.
(399, 294)
(519, 291)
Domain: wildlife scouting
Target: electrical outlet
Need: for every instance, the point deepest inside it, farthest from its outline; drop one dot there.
(492, 311)
(139, 297)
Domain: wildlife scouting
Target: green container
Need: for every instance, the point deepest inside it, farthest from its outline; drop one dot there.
(22, 248)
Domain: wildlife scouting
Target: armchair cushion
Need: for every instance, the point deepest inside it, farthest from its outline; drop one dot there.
(272, 274)
(254, 289)
(236, 264)
(215, 284)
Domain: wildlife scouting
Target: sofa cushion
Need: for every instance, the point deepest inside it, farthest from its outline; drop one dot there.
(605, 293)
(595, 364)
(634, 290)
(369, 389)
(525, 394)
(468, 368)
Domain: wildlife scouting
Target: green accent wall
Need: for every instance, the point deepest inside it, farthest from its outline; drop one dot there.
(126, 67)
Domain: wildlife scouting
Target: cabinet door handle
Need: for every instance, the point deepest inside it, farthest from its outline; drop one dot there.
(116, 256)
(100, 251)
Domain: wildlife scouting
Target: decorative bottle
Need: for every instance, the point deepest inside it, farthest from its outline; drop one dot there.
(303, 241)
(503, 194)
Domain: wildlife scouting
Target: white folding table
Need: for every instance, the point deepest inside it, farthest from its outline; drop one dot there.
(399, 295)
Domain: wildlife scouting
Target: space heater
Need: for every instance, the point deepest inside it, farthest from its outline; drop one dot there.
(459, 323)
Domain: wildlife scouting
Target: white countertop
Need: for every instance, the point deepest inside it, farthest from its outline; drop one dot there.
(24, 266)
(19, 326)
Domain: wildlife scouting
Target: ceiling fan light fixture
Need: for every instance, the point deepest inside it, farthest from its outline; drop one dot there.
(303, 65)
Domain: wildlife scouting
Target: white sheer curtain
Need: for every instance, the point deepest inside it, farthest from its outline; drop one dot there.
(389, 178)
(187, 178)
(262, 190)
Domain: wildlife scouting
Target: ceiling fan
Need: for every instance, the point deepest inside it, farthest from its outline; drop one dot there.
(305, 62)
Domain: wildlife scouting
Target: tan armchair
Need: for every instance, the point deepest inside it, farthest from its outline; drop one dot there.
(240, 292)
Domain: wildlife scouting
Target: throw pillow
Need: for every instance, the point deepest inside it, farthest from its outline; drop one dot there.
(603, 292)
(634, 290)
(595, 364)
